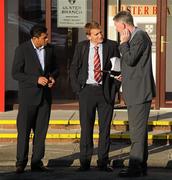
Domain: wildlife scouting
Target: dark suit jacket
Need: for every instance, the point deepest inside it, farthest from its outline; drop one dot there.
(79, 67)
(138, 83)
(26, 69)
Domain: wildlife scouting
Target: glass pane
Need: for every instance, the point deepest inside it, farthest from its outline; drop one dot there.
(168, 92)
(65, 40)
(22, 15)
(112, 10)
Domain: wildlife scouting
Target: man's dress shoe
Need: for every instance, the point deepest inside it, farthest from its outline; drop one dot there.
(39, 169)
(132, 172)
(83, 168)
(19, 169)
(105, 168)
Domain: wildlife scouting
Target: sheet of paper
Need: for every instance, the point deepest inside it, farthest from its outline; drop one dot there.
(116, 65)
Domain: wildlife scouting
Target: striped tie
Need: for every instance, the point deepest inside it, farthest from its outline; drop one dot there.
(97, 65)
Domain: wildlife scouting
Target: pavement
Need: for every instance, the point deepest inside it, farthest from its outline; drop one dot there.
(63, 158)
(70, 173)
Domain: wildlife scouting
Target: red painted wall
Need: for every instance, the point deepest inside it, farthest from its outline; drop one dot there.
(2, 56)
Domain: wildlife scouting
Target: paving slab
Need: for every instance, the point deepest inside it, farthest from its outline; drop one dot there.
(67, 154)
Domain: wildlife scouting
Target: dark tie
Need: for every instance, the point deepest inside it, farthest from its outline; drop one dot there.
(97, 65)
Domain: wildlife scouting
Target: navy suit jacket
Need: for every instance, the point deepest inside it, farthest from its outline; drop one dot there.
(79, 68)
(26, 69)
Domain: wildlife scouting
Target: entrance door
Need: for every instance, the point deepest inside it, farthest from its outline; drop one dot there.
(65, 35)
(164, 56)
(21, 16)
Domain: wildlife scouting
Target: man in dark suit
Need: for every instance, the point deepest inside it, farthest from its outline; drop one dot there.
(96, 90)
(35, 69)
(138, 88)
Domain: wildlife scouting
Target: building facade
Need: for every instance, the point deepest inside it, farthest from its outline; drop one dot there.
(65, 20)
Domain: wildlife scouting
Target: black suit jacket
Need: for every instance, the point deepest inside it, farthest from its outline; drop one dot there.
(26, 69)
(138, 83)
(79, 68)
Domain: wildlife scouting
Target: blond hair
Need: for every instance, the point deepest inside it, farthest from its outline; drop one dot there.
(91, 25)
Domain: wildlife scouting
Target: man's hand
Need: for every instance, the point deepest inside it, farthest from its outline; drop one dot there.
(51, 82)
(124, 36)
(119, 78)
(42, 81)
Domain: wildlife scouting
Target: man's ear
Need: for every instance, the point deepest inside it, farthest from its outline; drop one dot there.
(88, 37)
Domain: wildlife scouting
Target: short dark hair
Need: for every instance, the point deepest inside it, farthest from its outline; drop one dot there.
(37, 30)
(125, 17)
(91, 25)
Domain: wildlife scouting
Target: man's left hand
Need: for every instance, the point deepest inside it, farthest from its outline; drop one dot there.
(51, 82)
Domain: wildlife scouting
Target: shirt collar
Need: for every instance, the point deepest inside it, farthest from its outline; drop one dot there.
(92, 45)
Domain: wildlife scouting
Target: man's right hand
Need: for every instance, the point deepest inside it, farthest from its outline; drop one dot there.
(42, 81)
(125, 36)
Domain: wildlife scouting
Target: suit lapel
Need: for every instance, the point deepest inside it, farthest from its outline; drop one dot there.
(105, 54)
(85, 54)
(34, 56)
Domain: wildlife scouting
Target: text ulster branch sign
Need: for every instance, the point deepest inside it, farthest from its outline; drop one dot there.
(71, 13)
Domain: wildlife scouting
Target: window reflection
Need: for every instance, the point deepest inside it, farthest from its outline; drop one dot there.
(22, 15)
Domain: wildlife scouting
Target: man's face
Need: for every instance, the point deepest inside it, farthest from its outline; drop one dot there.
(95, 36)
(42, 40)
(120, 26)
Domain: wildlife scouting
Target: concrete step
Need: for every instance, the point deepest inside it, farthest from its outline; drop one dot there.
(64, 126)
(117, 124)
(73, 135)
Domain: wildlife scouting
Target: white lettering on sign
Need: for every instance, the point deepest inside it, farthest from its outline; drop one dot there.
(71, 13)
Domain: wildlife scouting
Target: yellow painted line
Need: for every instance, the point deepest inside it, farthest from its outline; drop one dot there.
(157, 136)
(77, 136)
(96, 122)
(58, 122)
(74, 122)
(115, 136)
(67, 136)
(61, 136)
(151, 122)
(96, 136)
(77, 122)
(125, 136)
(163, 123)
(150, 136)
(8, 121)
(6, 136)
(119, 122)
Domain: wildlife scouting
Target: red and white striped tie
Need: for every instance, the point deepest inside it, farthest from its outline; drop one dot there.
(97, 65)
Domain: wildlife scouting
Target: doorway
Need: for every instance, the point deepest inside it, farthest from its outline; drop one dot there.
(164, 54)
(21, 16)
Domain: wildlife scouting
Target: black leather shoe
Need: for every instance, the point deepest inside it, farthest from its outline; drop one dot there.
(131, 172)
(19, 169)
(83, 168)
(144, 171)
(40, 169)
(105, 168)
